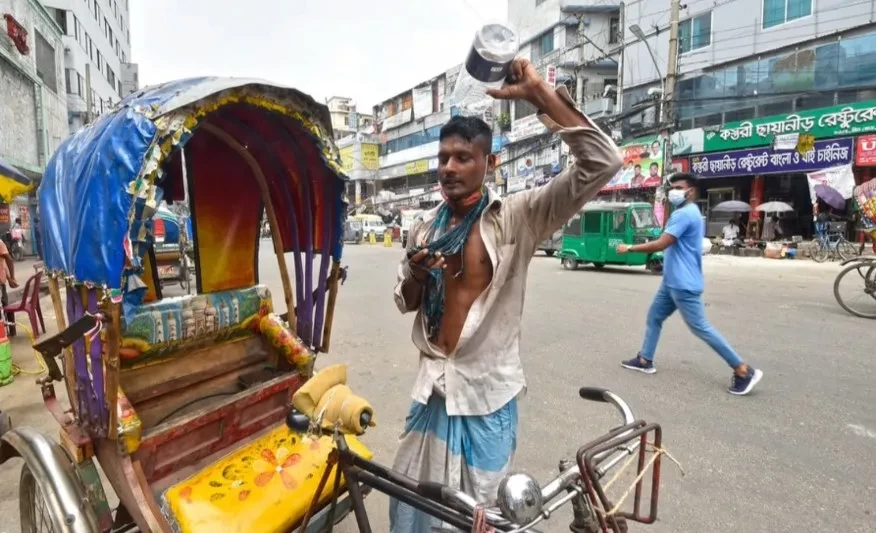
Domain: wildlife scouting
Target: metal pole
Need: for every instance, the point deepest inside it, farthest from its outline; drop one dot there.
(620, 63)
(88, 100)
(667, 111)
(579, 88)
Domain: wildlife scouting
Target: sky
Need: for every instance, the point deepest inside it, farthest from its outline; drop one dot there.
(367, 50)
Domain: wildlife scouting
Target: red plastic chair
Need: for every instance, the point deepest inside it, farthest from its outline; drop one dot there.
(30, 304)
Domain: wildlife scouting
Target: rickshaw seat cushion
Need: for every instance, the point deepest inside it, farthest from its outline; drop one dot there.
(263, 487)
(129, 425)
(160, 330)
(290, 346)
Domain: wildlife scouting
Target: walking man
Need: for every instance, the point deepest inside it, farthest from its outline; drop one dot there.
(682, 286)
(465, 277)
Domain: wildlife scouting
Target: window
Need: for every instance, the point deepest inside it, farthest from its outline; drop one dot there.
(695, 33)
(573, 227)
(543, 45)
(618, 221)
(60, 16)
(593, 222)
(45, 62)
(777, 12)
(70, 80)
(643, 217)
(523, 109)
(110, 76)
(614, 30)
(120, 89)
(80, 84)
(99, 62)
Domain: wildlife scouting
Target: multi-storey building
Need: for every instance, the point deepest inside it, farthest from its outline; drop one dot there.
(408, 126)
(345, 119)
(33, 107)
(568, 41)
(97, 39)
(750, 71)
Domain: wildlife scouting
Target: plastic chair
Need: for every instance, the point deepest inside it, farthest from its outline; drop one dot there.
(30, 304)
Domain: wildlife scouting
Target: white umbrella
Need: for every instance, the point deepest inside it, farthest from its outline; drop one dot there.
(775, 207)
(732, 206)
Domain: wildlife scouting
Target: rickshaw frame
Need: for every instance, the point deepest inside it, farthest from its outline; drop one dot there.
(65, 473)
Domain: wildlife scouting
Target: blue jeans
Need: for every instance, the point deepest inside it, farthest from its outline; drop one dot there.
(690, 304)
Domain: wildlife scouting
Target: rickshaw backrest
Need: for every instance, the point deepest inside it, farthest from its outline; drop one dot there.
(159, 330)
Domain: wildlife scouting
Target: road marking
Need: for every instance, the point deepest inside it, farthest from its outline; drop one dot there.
(861, 431)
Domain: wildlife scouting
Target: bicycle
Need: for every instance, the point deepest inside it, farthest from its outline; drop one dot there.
(832, 243)
(521, 504)
(864, 307)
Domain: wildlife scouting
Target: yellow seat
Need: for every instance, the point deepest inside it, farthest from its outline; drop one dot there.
(264, 487)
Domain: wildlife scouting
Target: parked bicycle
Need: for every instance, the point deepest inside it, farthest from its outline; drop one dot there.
(856, 293)
(831, 243)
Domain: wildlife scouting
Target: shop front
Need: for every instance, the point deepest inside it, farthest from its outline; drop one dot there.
(766, 174)
(768, 158)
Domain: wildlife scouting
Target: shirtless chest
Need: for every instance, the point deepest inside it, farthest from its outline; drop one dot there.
(467, 276)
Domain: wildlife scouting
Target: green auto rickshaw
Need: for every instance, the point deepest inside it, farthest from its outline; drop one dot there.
(592, 235)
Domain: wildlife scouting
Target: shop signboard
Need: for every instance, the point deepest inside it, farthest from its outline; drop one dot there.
(370, 154)
(829, 153)
(526, 127)
(822, 123)
(840, 178)
(643, 165)
(417, 167)
(516, 183)
(865, 154)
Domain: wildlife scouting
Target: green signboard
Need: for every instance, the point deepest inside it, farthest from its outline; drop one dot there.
(836, 121)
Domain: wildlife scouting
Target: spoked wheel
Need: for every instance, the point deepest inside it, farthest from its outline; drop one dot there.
(821, 253)
(35, 514)
(570, 263)
(846, 250)
(856, 293)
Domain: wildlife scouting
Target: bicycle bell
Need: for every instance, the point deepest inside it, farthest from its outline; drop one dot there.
(520, 498)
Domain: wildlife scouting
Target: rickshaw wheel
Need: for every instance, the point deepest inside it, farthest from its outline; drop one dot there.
(570, 263)
(35, 515)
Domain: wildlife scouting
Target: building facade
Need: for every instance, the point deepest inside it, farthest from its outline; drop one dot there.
(346, 120)
(749, 72)
(97, 39)
(408, 126)
(33, 107)
(568, 42)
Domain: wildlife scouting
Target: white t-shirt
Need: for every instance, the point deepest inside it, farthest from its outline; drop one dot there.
(731, 231)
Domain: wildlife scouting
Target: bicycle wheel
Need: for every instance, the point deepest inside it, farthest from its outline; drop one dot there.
(821, 252)
(858, 295)
(846, 250)
(35, 514)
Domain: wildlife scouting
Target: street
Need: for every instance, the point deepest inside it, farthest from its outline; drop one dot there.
(796, 455)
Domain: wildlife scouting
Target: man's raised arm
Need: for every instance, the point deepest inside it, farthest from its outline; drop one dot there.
(547, 208)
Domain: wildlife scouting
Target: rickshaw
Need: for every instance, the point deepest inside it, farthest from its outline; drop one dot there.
(203, 411)
(592, 236)
(182, 400)
(172, 248)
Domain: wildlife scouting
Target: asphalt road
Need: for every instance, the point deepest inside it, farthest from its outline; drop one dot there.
(798, 455)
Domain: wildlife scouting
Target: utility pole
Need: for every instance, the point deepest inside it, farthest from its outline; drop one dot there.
(668, 112)
(620, 63)
(579, 88)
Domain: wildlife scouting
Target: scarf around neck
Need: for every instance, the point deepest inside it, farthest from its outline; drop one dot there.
(448, 242)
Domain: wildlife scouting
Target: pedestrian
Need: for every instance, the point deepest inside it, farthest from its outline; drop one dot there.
(7, 277)
(682, 286)
(465, 277)
(38, 242)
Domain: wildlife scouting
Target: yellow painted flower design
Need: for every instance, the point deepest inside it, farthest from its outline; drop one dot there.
(269, 465)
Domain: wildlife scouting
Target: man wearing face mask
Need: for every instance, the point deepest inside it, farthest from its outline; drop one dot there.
(465, 277)
(682, 287)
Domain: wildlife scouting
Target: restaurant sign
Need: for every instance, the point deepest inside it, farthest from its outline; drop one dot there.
(836, 121)
(829, 153)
